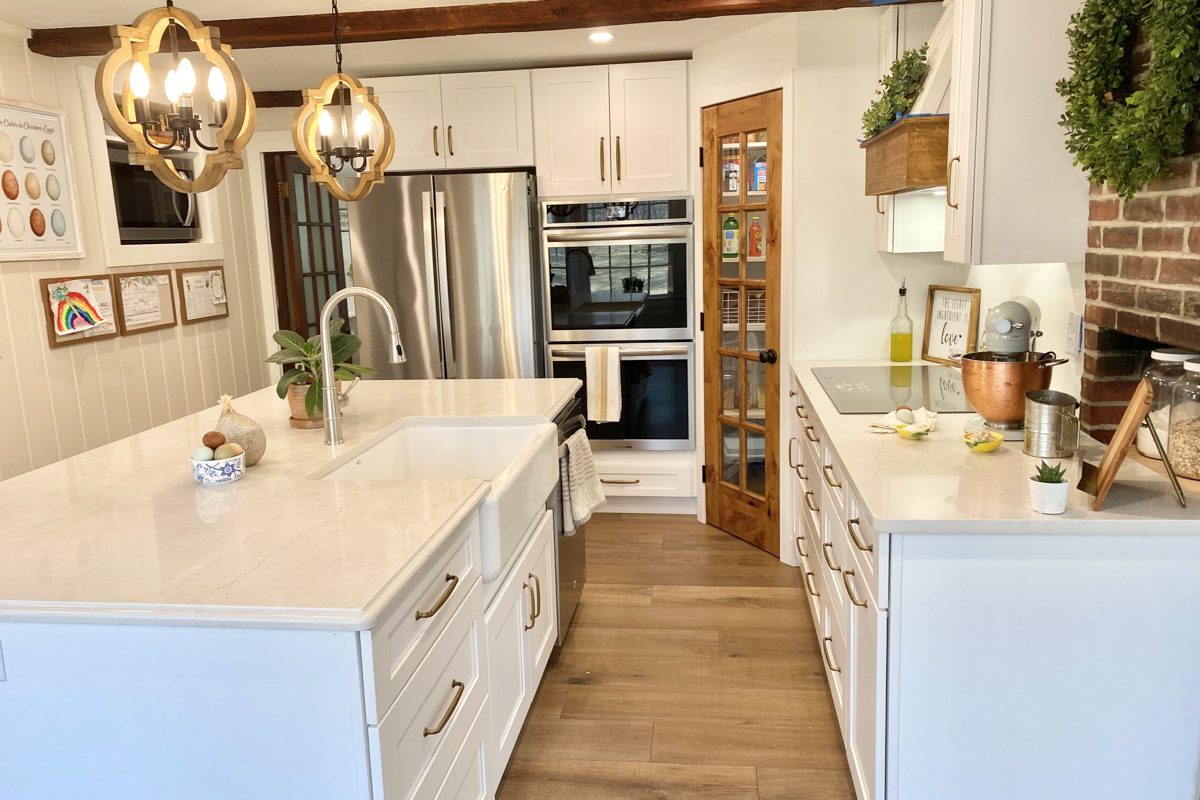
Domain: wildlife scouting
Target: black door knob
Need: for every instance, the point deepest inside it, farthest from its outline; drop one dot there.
(768, 356)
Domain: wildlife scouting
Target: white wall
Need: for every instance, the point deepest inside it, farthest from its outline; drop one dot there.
(57, 403)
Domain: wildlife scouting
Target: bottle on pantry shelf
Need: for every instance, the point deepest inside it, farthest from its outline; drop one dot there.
(1183, 446)
(731, 245)
(754, 240)
(1166, 367)
(902, 328)
(732, 168)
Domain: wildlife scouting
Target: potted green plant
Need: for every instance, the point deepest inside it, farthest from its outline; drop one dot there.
(301, 383)
(1048, 489)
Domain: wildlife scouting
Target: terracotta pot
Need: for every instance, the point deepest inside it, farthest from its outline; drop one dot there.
(995, 384)
(300, 418)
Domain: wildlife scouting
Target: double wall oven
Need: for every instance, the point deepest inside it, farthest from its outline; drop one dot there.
(620, 274)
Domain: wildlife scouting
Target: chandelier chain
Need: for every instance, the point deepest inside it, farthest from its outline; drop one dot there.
(337, 37)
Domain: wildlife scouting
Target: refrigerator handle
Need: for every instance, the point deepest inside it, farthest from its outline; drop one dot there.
(439, 216)
(428, 227)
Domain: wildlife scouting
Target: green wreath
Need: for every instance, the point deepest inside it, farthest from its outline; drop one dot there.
(1127, 140)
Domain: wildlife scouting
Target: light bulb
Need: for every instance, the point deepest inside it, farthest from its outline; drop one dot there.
(325, 123)
(216, 85)
(139, 81)
(600, 37)
(171, 85)
(187, 76)
(362, 125)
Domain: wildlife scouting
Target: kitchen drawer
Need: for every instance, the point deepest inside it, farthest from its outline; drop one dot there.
(870, 551)
(646, 480)
(466, 779)
(834, 558)
(835, 654)
(444, 695)
(408, 628)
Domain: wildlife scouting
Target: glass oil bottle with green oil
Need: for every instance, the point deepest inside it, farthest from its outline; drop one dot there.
(902, 328)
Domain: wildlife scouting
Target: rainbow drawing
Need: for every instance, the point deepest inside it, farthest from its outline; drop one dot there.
(74, 311)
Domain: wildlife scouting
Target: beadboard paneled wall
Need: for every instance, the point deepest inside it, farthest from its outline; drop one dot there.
(57, 403)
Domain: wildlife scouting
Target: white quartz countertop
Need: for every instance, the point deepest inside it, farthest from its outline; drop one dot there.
(936, 485)
(123, 533)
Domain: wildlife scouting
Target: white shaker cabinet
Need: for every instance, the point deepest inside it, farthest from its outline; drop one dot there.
(413, 107)
(619, 130)
(1013, 194)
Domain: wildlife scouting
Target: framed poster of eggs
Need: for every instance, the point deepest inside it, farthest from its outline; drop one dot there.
(38, 214)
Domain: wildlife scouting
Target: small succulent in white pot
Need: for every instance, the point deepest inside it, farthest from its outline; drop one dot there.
(304, 376)
(1048, 489)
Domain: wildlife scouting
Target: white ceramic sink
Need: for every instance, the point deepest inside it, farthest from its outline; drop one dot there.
(518, 455)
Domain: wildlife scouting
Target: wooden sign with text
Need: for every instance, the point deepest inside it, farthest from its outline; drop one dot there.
(951, 323)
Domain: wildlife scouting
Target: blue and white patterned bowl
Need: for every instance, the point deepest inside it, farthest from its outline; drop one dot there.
(226, 470)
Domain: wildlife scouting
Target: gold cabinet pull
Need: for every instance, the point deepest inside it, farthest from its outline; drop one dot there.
(853, 597)
(800, 474)
(435, 149)
(618, 159)
(602, 159)
(450, 139)
(852, 527)
(800, 549)
(532, 607)
(621, 482)
(828, 470)
(950, 181)
(791, 392)
(453, 579)
(825, 549)
(808, 431)
(538, 584)
(459, 686)
(801, 416)
(811, 505)
(826, 650)
(808, 585)
(791, 442)
(878, 210)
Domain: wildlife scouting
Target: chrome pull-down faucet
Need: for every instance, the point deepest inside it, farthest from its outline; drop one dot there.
(331, 406)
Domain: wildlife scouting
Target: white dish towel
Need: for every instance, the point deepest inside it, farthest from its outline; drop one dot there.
(603, 366)
(584, 494)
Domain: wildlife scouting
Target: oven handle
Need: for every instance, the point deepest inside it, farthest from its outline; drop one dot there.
(626, 352)
(665, 234)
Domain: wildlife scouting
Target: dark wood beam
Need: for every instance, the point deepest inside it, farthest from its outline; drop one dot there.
(281, 98)
(421, 23)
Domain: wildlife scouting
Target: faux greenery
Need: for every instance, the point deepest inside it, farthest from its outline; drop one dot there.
(1126, 139)
(897, 91)
(305, 358)
(1049, 474)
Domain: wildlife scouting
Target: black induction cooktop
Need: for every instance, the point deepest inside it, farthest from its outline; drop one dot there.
(878, 390)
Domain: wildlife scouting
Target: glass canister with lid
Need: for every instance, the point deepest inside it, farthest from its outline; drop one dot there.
(1166, 367)
(1184, 446)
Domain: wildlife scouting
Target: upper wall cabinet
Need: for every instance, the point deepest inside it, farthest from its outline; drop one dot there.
(1013, 195)
(474, 120)
(618, 130)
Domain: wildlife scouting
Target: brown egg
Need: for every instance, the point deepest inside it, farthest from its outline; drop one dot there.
(37, 222)
(8, 182)
(214, 439)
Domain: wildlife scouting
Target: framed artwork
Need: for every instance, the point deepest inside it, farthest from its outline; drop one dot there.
(951, 323)
(145, 301)
(80, 308)
(38, 211)
(202, 294)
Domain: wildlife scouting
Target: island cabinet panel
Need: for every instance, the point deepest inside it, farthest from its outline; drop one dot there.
(145, 712)
(868, 697)
(467, 777)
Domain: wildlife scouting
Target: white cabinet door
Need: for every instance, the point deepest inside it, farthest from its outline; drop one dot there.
(508, 673)
(539, 571)
(413, 107)
(648, 103)
(964, 92)
(488, 118)
(868, 685)
(572, 146)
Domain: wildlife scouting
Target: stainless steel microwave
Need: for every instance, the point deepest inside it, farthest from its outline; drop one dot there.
(149, 211)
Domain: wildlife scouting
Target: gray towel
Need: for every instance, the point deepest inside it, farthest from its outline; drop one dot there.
(586, 493)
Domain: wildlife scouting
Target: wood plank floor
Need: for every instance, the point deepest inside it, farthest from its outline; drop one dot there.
(692, 673)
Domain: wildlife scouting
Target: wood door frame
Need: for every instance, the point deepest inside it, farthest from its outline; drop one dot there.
(757, 518)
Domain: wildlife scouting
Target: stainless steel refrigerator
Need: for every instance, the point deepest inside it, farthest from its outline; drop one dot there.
(454, 254)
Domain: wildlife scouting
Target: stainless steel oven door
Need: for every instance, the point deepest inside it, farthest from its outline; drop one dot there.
(657, 397)
(618, 283)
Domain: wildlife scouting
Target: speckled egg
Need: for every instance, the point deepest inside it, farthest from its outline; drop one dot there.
(10, 185)
(202, 453)
(58, 222)
(53, 190)
(6, 148)
(37, 222)
(27, 150)
(48, 154)
(16, 223)
(33, 187)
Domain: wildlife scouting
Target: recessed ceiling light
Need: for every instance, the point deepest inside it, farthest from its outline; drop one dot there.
(601, 36)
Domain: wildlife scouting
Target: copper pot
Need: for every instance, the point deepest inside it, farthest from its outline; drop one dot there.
(995, 383)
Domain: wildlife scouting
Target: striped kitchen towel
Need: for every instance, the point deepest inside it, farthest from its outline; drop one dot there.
(587, 495)
(603, 383)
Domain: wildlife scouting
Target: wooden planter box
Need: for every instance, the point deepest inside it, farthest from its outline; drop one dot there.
(911, 154)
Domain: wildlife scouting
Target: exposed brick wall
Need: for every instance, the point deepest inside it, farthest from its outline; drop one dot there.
(1142, 285)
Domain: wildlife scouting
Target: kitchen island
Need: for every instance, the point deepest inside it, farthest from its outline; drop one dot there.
(161, 638)
(975, 648)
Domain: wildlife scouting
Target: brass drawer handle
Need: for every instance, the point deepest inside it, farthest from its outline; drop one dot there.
(803, 477)
(532, 607)
(825, 548)
(826, 648)
(791, 392)
(828, 470)
(621, 482)
(852, 526)
(537, 583)
(950, 181)
(853, 598)
(441, 600)
(808, 431)
(602, 159)
(435, 141)
(790, 463)
(809, 503)
(801, 416)
(808, 585)
(459, 685)
(618, 159)
(800, 549)
(450, 138)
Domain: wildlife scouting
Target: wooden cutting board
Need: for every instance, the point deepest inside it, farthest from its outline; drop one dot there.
(1098, 480)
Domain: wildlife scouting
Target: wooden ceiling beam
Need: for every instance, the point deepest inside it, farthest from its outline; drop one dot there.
(421, 23)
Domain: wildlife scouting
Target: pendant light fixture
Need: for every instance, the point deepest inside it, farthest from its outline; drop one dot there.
(157, 133)
(336, 127)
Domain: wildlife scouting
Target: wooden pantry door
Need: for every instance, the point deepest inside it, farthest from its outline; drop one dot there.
(743, 154)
